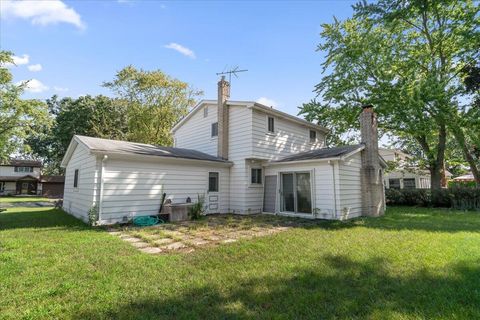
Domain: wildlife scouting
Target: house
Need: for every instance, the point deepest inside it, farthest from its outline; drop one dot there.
(24, 177)
(404, 175)
(240, 157)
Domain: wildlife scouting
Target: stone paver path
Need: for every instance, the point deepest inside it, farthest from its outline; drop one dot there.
(188, 236)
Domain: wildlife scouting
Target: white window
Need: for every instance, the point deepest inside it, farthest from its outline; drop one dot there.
(2, 186)
(205, 112)
(313, 136)
(271, 124)
(23, 169)
(75, 179)
(215, 129)
(394, 183)
(256, 176)
(213, 182)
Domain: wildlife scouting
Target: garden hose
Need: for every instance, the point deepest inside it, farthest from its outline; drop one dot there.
(146, 221)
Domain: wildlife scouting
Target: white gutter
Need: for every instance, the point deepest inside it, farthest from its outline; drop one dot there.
(100, 198)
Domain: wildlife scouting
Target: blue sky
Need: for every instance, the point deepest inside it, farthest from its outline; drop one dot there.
(73, 46)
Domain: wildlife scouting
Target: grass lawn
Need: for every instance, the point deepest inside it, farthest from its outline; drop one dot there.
(24, 199)
(411, 264)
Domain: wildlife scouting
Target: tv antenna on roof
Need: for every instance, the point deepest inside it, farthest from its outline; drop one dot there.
(233, 71)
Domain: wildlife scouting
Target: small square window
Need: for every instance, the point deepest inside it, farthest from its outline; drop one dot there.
(215, 129)
(256, 176)
(213, 182)
(271, 124)
(205, 112)
(313, 136)
(75, 179)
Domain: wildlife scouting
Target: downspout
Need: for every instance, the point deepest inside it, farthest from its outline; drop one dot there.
(100, 198)
(334, 188)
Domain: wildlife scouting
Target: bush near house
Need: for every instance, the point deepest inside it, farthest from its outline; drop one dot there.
(463, 198)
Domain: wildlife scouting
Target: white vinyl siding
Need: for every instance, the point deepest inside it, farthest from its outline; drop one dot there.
(350, 186)
(136, 187)
(239, 148)
(77, 201)
(289, 137)
(9, 171)
(196, 133)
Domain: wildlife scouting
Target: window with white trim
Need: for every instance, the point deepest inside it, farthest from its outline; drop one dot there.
(313, 136)
(213, 182)
(23, 169)
(256, 176)
(215, 129)
(271, 124)
(205, 112)
(75, 179)
(2, 186)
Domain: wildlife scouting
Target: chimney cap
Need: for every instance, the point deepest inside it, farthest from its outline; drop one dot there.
(367, 106)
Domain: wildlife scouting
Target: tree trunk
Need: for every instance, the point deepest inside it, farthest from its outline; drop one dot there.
(435, 161)
(460, 137)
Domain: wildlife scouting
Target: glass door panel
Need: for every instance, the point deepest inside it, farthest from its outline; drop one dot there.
(304, 194)
(288, 194)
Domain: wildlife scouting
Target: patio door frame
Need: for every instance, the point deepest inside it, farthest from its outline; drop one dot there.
(295, 196)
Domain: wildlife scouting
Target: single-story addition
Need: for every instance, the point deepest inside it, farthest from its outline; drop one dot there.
(239, 156)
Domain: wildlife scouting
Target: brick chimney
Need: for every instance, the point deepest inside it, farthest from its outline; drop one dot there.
(222, 115)
(371, 172)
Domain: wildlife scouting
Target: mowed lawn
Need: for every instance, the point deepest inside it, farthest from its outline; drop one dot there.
(411, 264)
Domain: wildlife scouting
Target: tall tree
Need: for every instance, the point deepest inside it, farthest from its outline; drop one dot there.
(405, 57)
(97, 116)
(17, 116)
(155, 102)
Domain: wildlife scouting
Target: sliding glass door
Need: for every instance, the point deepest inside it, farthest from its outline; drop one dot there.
(296, 192)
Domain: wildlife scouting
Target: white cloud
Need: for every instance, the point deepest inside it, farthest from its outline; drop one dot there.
(267, 102)
(183, 50)
(60, 89)
(18, 61)
(33, 85)
(35, 67)
(42, 12)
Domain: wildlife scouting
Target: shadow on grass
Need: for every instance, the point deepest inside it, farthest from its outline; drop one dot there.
(342, 288)
(48, 218)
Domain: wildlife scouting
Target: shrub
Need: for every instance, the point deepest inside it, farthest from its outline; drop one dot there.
(93, 215)
(464, 198)
(196, 210)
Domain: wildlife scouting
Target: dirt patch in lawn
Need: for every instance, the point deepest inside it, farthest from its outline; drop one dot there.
(188, 236)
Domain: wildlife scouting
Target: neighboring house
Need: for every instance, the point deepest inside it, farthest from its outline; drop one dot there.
(20, 177)
(23, 177)
(465, 178)
(240, 156)
(405, 176)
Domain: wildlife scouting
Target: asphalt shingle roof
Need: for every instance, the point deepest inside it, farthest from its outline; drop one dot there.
(22, 163)
(323, 153)
(117, 146)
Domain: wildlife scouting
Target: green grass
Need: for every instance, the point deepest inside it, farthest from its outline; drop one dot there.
(24, 199)
(411, 264)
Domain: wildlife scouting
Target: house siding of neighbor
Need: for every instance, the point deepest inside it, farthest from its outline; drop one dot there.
(260, 160)
(24, 177)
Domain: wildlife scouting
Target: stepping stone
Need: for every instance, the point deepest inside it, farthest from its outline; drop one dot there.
(229, 240)
(213, 238)
(140, 244)
(114, 233)
(175, 246)
(132, 239)
(151, 250)
(199, 242)
(163, 241)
